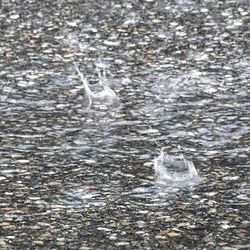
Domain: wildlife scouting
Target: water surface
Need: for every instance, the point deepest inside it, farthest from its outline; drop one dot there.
(84, 179)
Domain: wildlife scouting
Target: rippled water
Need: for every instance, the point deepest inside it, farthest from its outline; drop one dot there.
(75, 177)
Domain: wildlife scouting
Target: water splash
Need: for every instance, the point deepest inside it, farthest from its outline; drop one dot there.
(174, 171)
(105, 96)
(172, 175)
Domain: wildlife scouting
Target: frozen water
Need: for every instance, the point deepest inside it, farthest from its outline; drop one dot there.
(174, 170)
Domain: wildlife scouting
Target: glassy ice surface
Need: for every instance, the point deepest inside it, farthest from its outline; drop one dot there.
(78, 178)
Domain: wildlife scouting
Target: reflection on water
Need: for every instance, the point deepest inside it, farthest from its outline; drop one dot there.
(79, 197)
(200, 113)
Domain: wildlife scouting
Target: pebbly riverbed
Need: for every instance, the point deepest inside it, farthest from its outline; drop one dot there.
(73, 177)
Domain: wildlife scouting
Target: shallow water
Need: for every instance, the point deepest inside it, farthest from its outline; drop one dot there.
(84, 179)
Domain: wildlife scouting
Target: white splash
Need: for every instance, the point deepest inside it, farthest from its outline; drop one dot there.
(106, 96)
(174, 170)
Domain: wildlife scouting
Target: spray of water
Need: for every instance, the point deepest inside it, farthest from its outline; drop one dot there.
(105, 96)
(173, 170)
